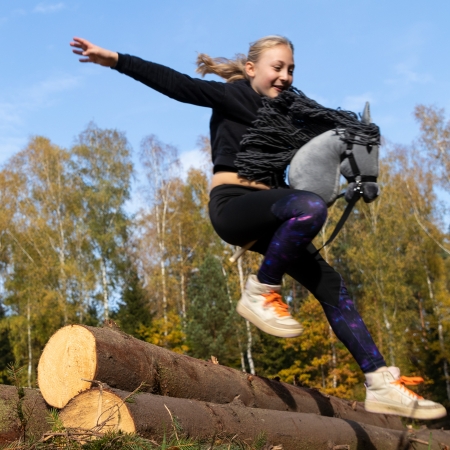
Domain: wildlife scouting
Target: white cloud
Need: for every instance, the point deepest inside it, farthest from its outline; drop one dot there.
(10, 146)
(43, 90)
(410, 76)
(18, 12)
(405, 75)
(324, 101)
(9, 115)
(16, 104)
(192, 159)
(13, 114)
(46, 8)
(356, 103)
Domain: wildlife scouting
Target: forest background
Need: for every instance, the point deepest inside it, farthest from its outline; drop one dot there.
(112, 223)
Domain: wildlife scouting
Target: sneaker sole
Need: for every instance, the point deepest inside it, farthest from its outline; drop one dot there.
(414, 413)
(269, 329)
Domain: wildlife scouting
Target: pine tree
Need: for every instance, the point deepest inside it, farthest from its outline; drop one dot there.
(134, 310)
(6, 353)
(211, 329)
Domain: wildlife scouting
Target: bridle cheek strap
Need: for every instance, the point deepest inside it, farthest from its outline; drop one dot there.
(355, 190)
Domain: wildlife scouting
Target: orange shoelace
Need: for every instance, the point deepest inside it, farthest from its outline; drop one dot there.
(274, 299)
(409, 381)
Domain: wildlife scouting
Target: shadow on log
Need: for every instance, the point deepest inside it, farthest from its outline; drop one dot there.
(33, 408)
(154, 416)
(77, 352)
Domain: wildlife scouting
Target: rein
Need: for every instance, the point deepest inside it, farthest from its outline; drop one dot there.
(345, 214)
(358, 179)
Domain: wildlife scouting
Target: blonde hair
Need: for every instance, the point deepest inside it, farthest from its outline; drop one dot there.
(234, 69)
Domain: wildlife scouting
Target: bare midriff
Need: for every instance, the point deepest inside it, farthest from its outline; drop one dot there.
(233, 178)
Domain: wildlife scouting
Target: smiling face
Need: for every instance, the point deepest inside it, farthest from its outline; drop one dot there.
(273, 72)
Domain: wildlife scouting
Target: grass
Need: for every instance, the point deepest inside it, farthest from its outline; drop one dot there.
(81, 439)
(118, 440)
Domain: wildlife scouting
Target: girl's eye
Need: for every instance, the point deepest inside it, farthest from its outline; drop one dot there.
(291, 72)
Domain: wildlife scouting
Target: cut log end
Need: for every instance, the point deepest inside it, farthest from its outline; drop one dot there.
(100, 410)
(68, 359)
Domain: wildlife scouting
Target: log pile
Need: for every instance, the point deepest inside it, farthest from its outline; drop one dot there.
(90, 372)
(32, 410)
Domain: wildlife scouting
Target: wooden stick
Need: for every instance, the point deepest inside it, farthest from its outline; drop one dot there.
(240, 251)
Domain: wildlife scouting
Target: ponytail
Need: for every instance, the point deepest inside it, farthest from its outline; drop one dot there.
(229, 69)
(234, 69)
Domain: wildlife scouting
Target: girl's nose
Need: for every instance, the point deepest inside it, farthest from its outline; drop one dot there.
(284, 75)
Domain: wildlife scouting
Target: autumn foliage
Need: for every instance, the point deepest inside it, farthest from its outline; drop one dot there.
(70, 252)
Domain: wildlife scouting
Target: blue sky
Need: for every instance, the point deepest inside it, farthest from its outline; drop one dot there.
(392, 53)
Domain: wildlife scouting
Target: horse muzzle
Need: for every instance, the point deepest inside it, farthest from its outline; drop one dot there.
(368, 190)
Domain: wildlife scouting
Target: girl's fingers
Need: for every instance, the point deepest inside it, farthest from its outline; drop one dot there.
(81, 41)
(82, 53)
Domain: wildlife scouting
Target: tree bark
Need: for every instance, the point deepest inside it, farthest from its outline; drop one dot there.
(29, 344)
(77, 353)
(105, 290)
(247, 323)
(154, 417)
(437, 311)
(241, 353)
(34, 410)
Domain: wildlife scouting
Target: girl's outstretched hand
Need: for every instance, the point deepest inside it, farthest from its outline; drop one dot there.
(93, 53)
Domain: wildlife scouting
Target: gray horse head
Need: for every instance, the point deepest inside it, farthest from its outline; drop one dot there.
(367, 162)
(317, 166)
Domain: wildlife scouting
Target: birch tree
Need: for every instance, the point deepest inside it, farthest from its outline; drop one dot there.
(161, 165)
(103, 169)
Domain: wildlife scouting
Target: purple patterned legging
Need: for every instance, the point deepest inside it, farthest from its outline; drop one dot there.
(284, 222)
(302, 215)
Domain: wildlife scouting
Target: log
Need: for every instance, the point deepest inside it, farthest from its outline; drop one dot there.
(77, 353)
(35, 411)
(154, 416)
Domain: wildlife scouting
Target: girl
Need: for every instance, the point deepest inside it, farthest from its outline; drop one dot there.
(282, 221)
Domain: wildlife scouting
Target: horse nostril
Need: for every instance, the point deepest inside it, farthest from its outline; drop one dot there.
(371, 191)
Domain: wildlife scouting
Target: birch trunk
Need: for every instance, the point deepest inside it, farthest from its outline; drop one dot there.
(387, 324)
(30, 349)
(241, 353)
(438, 314)
(182, 281)
(160, 163)
(247, 323)
(164, 296)
(105, 290)
(330, 330)
(333, 356)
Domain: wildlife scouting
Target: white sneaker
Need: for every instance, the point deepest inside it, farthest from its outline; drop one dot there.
(262, 305)
(386, 393)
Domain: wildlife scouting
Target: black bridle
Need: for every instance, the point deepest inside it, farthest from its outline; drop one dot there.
(356, 178)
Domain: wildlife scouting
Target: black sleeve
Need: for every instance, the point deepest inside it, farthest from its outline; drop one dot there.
(172, 83)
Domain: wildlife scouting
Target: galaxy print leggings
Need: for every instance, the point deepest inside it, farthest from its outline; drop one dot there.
(284, 222)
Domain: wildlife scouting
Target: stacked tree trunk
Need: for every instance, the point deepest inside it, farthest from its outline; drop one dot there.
(90, 373)
(21, 417)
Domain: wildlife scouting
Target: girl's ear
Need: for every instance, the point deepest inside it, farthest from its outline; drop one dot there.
(250, 69)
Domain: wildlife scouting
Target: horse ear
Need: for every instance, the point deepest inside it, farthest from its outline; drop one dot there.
(365, 118)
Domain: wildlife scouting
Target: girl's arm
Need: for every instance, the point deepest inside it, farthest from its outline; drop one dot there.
(160, 78)
(174, 84)
(94, 53)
